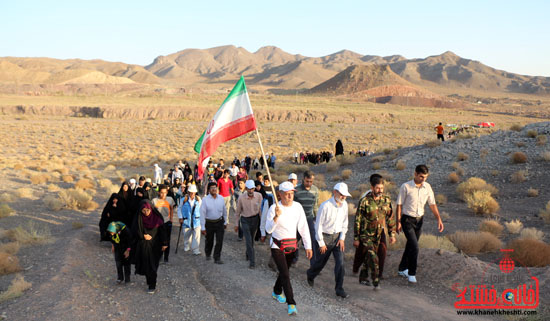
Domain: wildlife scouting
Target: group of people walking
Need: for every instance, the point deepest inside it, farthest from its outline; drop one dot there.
(292, 214)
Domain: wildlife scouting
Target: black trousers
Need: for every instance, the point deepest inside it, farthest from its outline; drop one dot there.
(214, 230)
(441, 136)
(123, 266)
(283, 262)
(168, 228)
(411, 226)
(151, 278)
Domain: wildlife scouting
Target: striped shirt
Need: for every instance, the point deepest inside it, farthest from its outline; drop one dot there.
(308, 199)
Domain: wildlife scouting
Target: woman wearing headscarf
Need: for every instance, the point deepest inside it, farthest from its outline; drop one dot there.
(121, 240)
(149, 242)
(148, 191)
(126, 196)
(114, 210)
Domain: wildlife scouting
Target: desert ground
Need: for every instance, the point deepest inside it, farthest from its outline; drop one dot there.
(62, 157)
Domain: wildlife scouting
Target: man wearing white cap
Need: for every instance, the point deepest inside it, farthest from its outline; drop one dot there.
(331, 226)
(248, 214)
(293, 178)
(158, 174)
(189, 217)
(283, 220)
(133, 184)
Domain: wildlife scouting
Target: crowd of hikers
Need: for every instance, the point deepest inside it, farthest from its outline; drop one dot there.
(138, 222)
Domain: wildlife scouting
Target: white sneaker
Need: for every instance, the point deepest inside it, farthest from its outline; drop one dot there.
(197, 253)
(186, 249)
(412, 279)
(404, 273)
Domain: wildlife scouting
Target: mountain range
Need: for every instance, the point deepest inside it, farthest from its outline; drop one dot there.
(267, 68)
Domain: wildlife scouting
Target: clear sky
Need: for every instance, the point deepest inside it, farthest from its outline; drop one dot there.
(509, 35)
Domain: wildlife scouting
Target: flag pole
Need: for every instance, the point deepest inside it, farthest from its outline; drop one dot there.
(267, 167)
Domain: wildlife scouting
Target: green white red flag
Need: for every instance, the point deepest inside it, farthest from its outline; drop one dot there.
(234, 118)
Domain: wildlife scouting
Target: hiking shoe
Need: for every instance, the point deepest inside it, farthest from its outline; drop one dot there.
(118, 281)
(412, 279)
(310, 282)
(365, 282)
(404, 273)
(218, 261)
(279, 297)
(376, 287)
(292, 309)
(197, 253)
(151, 290)
(186, 249)
(342, 294)
(252, 266)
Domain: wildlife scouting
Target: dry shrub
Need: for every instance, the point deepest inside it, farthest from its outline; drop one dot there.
(444, 216)
(433, 143)
(356, 194)
(84, 184)
(18, 167)
(8, 263)
(387, 151)
(77, 225)
(75, 198)
(41, 178)
(427, 241)
(454, 178)
(518, 177)
(5, 210)
(67, 178)
(474, 184)
(531, 133)
(324, 196)
(542, 140)
(532, 234)
(320, 181)
(16, 289)
(346, 173)
(530, 252)
(441, 199)
(546, 156)
(24, 192)
(460, 171)
(6, 198)
(336, 178)
(53, 203)
(520, 144)
(482, 203)
(32, 234)
(461, 156)
(346, 159)
(333, 166)
(516, 127)
(455, 165)
(376, 166)
(495, 172)
(10, 247)
(378, 159)
(110, 168)
(532, 192)
(545, 213)
(400, 242)
(53, 188)
(514, 226)
(518, 158)
(475, 242)
(492, 226)
(390, 188)
(400, 165)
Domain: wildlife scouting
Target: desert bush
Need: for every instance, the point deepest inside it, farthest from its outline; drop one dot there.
(427, 241)
(492, 226)
(6, 198)
(336, 178)
(434, 143)
(346, 159)
(110, 167)
(320, 181)
(5, 210)
(520, 144)
(356, 194)
(16, 289)
(441, 199)
(75, 198)
(444, 215)
(474, 184)
(53, 203)
(461, 156)
(77, 225)
(67, 178)
(41, 178)
(24, 192)
(529, 252)
(545, 213)
(516, 127)
(333, 166)
(532, 192)
(31, 234)
(53, 188)
(400, 165)
(10, 247)
(346, 173)
(495, 172)
(482, 203)
(531, 233)
(531, 133)
(518, 158)
(546, 156)
(390, 188)
(471, 242)
(8, 263)
(85, 184)
(514, 226)
(378, 159)
(542, 140)
(376, 166)
(324, 196)
(518, 177)
(18, 166)
(455, 165)
(454, 178)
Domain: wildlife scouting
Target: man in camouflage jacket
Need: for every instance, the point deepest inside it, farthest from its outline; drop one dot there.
(373, 214)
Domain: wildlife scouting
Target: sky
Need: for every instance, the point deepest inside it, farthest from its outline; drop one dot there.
(508, 35)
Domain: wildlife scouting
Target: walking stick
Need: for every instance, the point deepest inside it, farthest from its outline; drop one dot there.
(179, 234)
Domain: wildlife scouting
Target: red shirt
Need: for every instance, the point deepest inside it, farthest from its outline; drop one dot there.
(225, 187)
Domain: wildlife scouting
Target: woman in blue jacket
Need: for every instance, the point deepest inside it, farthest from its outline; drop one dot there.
(189, 217)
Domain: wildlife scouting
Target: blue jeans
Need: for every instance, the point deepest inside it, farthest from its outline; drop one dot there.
(331, 240)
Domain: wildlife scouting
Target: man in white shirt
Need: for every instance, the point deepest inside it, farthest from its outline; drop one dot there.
(158, 174)
(213, 222)
(283, 220)
(177, 173)
(412, 198)
(331, 226)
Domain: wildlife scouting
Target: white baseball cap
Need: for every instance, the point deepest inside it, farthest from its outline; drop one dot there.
(342, 188)
(250, 184)
(132, 180)
(286, 187)
(192, 188)
(292, 176)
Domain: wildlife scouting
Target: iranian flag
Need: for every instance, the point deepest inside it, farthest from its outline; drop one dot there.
(234, 118)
